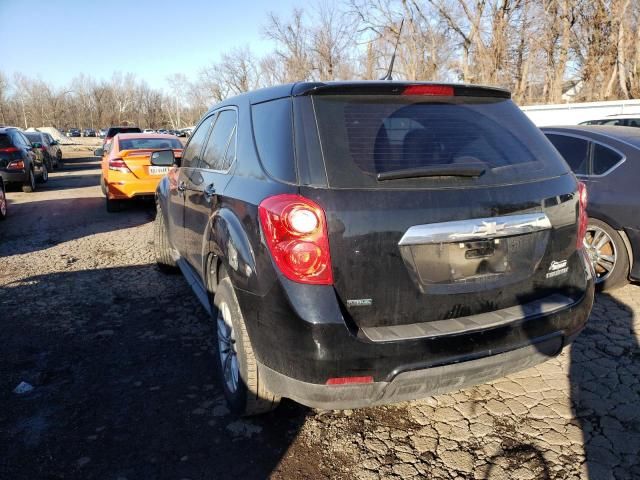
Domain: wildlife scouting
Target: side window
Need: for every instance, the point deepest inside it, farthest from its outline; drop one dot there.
(273, 132)
(604, 159)
(216, 155)
(574, 150)
(191, 154)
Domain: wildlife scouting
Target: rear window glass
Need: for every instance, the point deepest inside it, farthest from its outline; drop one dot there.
(149, 143)
(114, 131)
(272, 129)
(364, 135)
(5, 141)
(33, 137)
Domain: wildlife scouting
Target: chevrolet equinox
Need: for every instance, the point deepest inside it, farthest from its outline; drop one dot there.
(361, 243)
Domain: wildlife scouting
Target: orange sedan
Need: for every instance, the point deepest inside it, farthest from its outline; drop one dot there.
(126, 166)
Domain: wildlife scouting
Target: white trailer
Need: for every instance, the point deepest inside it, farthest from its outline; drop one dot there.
(575, 113)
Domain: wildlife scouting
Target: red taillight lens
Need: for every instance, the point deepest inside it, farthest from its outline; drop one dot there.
(118, 165)
(349, 380)
(583, 219)
(442, 90)
(295, 229)
(9, 150)
(18, 165)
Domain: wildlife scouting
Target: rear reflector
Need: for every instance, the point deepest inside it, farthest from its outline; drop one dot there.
(583, 218)
(429, 90)
(8, 150)
(349, 380)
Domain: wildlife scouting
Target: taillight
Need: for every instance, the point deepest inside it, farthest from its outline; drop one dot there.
(295, 229)
(583, 219)
(433, 90)
(118, 165)
(9, 150)
(349, 380)
(16, 165)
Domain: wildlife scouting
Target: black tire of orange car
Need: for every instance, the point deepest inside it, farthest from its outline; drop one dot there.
(251, 396)
(113, 206)
(3, 201)
(30, 185)
(619, 276)
(164, 260)
(103, 186)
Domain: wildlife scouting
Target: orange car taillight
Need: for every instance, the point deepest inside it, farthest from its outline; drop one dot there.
(118, 165)
(583, 218)
(295, 230)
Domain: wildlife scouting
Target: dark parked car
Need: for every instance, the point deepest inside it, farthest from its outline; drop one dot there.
(21, 163)
(73, 132)
(88, 132)
(49, 147)
(3, 200)
(113, 131)
(607, 160)
(362, 243)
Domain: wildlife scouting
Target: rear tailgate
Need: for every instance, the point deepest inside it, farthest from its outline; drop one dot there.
(139, 162)
(433, 248)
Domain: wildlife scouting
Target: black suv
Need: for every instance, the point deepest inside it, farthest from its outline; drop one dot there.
(20, 162)
(362, 243)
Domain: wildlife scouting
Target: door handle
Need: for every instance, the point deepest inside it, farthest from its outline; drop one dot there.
(182, 186)
(209, 190)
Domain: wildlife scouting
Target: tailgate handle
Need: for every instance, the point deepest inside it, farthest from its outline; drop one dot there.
(475, 229)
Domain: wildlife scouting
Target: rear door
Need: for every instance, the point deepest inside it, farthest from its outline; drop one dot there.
(207, 183)
(178, 184)
(494, 229)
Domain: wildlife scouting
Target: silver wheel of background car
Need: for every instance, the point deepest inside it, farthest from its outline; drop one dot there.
(227, 348)
(602, 252)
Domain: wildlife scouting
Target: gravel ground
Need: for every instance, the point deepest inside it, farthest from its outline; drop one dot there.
(121, 360)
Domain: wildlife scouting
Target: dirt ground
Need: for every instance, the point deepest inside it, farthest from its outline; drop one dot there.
(120, 357)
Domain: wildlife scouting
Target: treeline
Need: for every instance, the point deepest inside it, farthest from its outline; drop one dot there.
(544, 51)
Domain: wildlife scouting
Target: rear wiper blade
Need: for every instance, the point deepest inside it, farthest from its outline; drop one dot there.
(454, 170)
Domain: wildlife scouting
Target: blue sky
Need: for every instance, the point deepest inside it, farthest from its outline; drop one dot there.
(58, 39)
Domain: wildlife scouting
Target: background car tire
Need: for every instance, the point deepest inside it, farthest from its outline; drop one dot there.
(59, 160)
(3, 201)
(250, 397)
(113, 206)
(44, 176)
(30, 185)
(164, 260)
(619, 275)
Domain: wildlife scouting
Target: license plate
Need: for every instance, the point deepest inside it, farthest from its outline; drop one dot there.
(158, 170)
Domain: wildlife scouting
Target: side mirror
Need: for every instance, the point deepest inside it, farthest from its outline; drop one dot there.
(163, 158)
(98, 152)
(36, 144)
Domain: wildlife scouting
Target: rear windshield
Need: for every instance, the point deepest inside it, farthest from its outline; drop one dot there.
(149, 143)
(5, 141)
(114, 131)
(34, 137)
(366, 135)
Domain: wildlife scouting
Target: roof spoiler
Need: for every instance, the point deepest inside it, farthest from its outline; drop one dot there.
(385, 87)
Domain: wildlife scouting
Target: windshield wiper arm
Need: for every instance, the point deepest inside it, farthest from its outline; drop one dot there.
(454, 170)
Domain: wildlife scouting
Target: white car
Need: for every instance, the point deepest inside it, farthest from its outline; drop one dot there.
(148, 130)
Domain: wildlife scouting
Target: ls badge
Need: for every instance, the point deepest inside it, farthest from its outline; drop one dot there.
(557, 268)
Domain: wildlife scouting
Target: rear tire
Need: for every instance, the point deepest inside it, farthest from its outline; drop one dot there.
(103, 186)
(247, 395)
(3, 201)
(59, 163)
(44, 176)
(608, 254)
(162, 248)
(30, 185)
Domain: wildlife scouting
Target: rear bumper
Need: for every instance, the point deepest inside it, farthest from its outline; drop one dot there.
(18, 176)
(298, 354)
(128, 188)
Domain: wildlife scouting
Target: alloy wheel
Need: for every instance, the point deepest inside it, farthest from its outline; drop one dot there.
(227, 348)
(602, 252)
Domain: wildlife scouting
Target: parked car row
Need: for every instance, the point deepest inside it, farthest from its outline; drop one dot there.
(25, 162)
